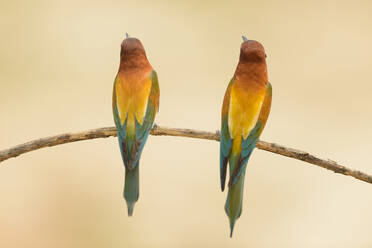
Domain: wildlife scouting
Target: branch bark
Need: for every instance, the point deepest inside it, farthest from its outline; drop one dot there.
(189, 133)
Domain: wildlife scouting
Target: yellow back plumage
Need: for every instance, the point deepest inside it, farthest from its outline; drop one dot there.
(132, 97)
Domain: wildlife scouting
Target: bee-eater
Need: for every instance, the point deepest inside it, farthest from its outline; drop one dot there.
(245, 109)
(135, 102)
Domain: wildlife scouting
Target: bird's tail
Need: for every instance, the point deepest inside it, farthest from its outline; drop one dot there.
(234, 201)
(131, 187)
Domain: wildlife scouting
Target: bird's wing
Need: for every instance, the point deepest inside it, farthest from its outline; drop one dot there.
(225, 138)
(249, 143)
(117, 118)
(134, 107)
(143, 129)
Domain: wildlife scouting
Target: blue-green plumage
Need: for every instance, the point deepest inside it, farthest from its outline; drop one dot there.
(225, 143)
(238, 161)
(132, 142)
(225, 146)
(247, 145)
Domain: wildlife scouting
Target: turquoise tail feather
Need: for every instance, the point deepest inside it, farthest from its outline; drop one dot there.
(131, 187)
(234, 201)
(232, 224)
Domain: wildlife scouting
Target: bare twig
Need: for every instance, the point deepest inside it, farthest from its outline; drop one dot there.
(111, 131)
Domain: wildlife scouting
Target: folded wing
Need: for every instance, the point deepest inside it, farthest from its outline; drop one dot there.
(135, 104)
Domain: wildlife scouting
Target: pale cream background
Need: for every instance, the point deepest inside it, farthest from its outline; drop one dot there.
(58, 60)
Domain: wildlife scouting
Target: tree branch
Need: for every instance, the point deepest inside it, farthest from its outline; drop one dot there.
(111, 131)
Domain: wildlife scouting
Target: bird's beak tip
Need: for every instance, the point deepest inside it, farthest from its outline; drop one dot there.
(244, 38)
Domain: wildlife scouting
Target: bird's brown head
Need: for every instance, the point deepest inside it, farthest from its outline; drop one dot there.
(251, 51)
(132, 47)
(252, 62)
(132, 54)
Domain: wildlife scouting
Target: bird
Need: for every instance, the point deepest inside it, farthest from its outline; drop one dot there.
(246, 107)
(135, 103)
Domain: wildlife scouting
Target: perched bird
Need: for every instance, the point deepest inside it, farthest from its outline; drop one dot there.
(245, 109)
(135, 102)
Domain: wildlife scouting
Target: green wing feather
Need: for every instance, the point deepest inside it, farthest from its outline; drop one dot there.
(238, 162)
(143, 131)
(225, 139)
(250, 142)
(131, 145)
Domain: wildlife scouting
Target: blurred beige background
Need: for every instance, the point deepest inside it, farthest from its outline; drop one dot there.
(58, 60)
